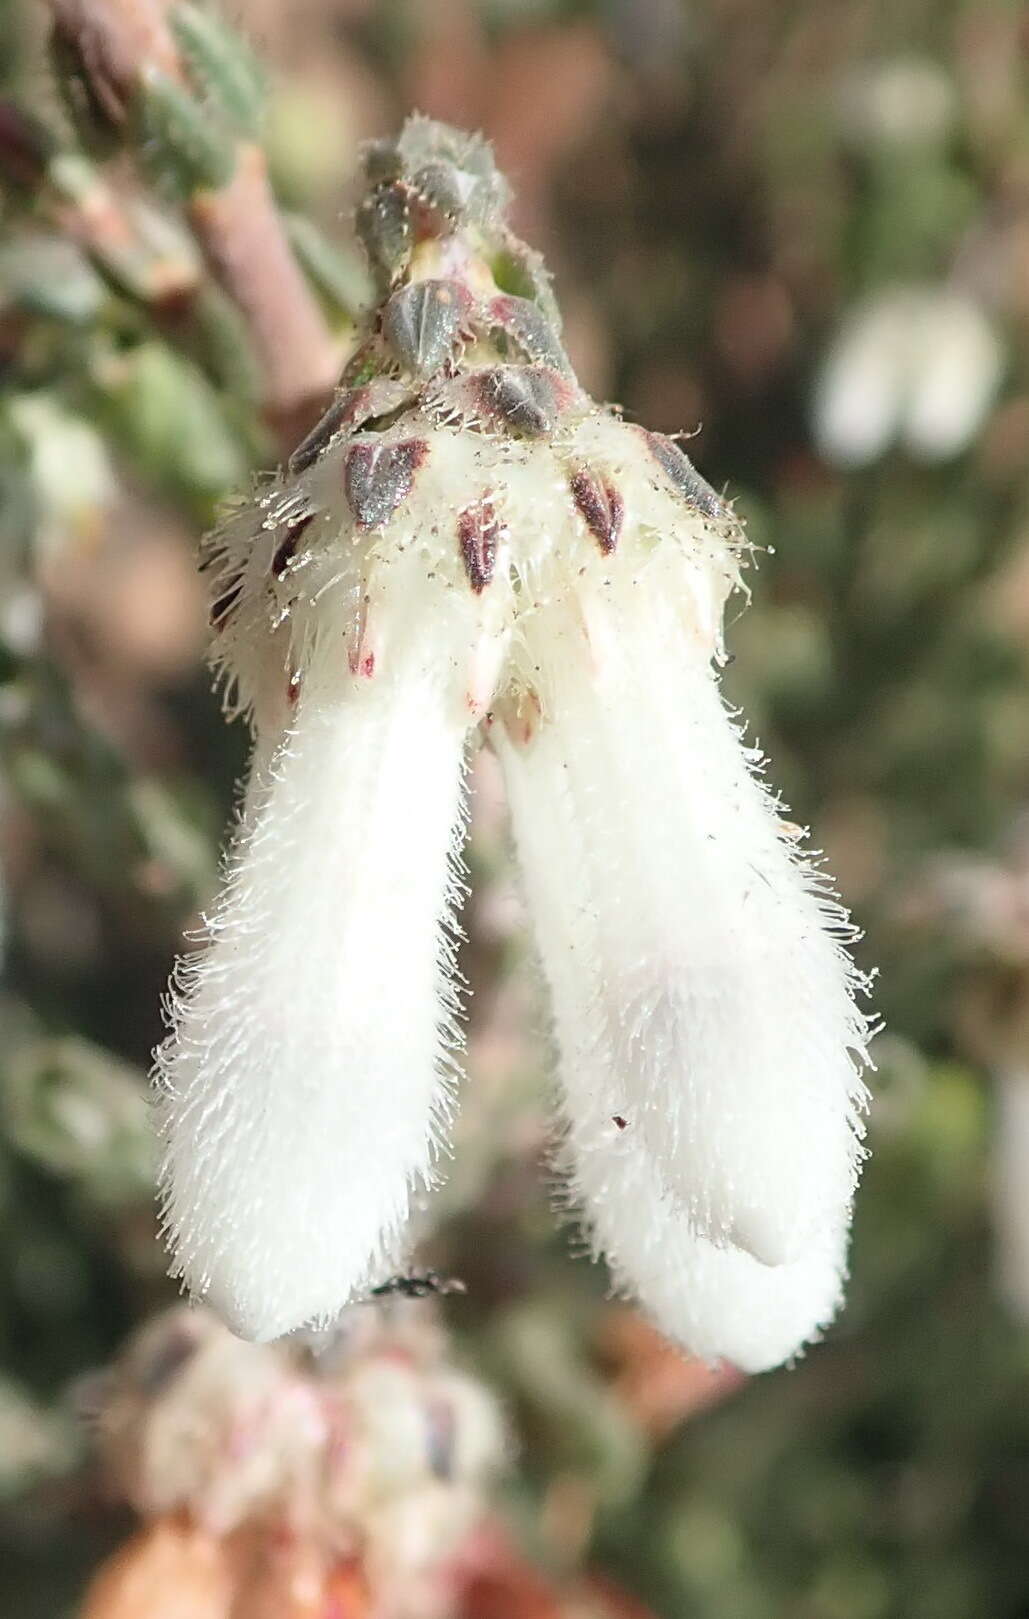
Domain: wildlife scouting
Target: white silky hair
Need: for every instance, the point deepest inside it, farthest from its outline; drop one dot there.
(307, 1076)
(701, 994)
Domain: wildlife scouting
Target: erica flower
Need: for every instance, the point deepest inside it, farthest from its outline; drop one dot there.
(917, 363)
(271, 1483)
(467, 547)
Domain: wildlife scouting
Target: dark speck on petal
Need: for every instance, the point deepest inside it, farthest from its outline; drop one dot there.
(478, 533)
(523, 398)
(601, 505)
(377, 477)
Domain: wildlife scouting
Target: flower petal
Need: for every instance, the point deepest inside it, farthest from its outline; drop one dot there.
(717, 1302)
(309, 1063)
(713, 1298)
(678, 926)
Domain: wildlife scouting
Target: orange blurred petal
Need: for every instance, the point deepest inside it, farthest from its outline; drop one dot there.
(170, 1570)
(495, 1582)
(659, 1384)
(289, 1577)
(285, 1579)
(346, 1594)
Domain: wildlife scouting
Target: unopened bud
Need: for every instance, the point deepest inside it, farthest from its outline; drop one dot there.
(524, 399)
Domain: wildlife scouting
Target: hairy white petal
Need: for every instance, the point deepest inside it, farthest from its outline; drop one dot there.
(921, 361)
(309, 1057)
(716, 1300)
(961, 362)
(859, 399)
(689, 928)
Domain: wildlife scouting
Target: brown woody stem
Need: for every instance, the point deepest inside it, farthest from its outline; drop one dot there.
(239, 229)
(118, 44)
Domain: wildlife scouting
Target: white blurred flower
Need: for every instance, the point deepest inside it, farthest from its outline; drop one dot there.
(1010, 1186)
(986, 905)
(195, 1421)
(907, 100)
(72, 476)
(918, 364)
(376, 1457)
(469, 545)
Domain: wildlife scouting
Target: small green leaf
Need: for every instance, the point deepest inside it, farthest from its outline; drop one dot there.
(221, 67)
(183, 145)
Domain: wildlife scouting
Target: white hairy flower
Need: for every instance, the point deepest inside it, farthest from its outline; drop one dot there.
(919, 364)
(469, 546)
(904, 101)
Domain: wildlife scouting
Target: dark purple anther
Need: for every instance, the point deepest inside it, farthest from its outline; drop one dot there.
(478, 534)
(286, 549)
(222, 610)
(377, 477)
(529, 329)
(351, 409)
(523, 398)
(684, 475)
(601, 505)
(421, 323)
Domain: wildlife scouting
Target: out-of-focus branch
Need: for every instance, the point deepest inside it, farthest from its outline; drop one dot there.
(136, 76)
(149, 257)
(115, 41)
(243, 241)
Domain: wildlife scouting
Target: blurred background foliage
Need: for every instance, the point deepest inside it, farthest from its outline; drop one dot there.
(802, 229)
